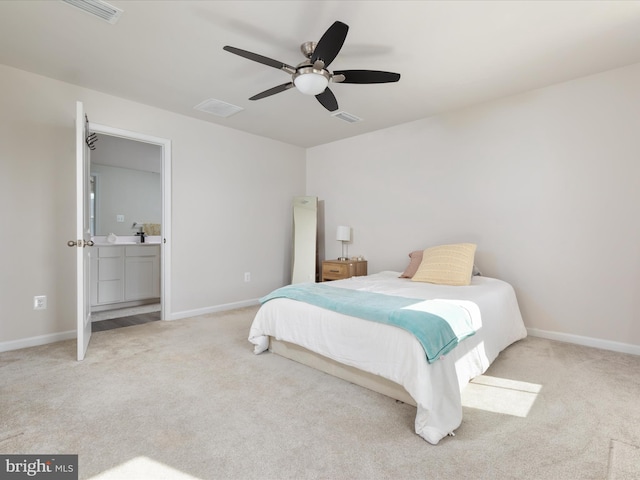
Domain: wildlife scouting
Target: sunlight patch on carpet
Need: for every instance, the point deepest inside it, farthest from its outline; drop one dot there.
(500, 395)
(624, 461)
(143, 467)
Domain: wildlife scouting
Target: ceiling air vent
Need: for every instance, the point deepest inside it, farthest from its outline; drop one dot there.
(218, 107)
(347, 117)
(98, 8)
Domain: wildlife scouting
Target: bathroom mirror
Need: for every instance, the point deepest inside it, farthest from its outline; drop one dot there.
(126, 185)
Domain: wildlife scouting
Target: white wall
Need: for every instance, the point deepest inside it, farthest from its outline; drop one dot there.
(231, 211)
(546, 183)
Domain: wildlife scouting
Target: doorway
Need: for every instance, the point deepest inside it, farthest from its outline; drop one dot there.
(131, 165)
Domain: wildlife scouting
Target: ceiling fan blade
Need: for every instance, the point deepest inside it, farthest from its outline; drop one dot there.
(366, 76)
(260, 59)
(273, 91)
(328, 100)
(330, 44)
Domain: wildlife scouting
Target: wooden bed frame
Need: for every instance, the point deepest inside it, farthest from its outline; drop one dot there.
(351, 374)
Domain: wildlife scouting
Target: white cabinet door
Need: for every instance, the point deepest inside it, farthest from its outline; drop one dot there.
(141, 272)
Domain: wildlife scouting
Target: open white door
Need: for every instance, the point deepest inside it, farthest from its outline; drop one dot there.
(83, 234)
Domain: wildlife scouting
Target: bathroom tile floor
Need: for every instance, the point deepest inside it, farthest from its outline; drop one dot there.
(124, 317)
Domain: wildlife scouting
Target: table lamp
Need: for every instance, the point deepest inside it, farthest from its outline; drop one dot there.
(343, 235)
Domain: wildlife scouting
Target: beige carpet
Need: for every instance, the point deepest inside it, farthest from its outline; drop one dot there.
(188, 399)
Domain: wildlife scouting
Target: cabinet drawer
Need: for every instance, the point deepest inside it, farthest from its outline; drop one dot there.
(109, 269)
(335, 270)
(338, 270)
(109, 252)
(110, 292)
(142, 251)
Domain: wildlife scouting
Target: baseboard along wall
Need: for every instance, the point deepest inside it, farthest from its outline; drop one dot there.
(585, 341)
(534, 332)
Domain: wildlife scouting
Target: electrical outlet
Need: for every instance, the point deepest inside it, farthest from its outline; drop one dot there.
(119, 218)
(247, 276)
(40, 302)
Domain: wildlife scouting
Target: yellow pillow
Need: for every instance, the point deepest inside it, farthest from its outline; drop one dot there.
(447, 264)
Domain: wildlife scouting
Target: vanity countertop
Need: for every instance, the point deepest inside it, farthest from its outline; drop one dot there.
(102, 241)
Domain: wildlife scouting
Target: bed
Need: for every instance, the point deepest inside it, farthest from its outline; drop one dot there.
(389, 359)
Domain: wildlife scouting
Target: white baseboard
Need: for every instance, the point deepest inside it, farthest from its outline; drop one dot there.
(586, 341)
(214, 309)
(36, 341)
(534, 332)
(56, 337)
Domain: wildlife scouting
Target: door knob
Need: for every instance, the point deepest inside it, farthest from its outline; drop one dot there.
(80, 243)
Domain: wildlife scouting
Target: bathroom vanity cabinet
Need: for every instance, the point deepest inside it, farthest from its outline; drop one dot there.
(124, 273)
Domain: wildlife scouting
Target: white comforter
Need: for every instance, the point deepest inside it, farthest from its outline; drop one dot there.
(394, 353)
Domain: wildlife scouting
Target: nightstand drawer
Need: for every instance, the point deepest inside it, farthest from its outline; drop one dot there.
(335, 270)
(338, 270)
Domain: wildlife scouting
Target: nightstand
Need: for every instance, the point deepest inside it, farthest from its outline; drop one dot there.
(340, 269)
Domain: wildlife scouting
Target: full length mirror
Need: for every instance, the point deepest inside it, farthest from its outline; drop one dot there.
(305, 225)
(127, 186)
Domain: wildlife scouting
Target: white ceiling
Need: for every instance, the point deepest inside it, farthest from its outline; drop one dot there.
(450, 54)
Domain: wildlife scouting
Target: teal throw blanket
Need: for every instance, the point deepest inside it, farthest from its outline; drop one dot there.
(437, 335)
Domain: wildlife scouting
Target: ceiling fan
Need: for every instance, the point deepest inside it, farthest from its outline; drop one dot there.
(311, 77)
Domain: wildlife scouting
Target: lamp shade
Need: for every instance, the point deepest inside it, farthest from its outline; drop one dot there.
(343, 234)
(311, 83)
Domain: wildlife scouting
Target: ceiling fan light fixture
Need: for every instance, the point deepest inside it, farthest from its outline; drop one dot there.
(311, 81)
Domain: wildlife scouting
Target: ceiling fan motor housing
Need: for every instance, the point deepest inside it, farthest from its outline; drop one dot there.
(307, 48)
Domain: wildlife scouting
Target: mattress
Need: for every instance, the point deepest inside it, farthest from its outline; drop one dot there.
(395, 354)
